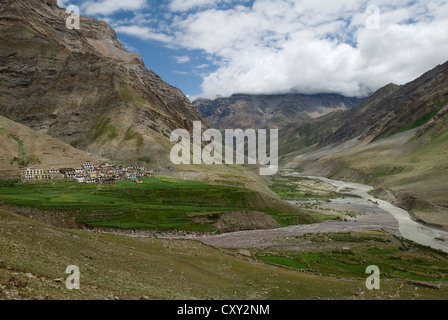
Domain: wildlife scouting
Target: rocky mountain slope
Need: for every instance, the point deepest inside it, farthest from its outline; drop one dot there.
(398, 108)
(413, 105)
(270, 111)
(390, 110)
(397, 140)
(337, 127)
(21, 146)
(83, 87)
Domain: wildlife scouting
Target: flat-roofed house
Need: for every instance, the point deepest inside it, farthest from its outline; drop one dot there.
(34, 174)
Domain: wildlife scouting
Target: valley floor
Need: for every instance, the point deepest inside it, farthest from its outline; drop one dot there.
(34, 257)
(326, 260)
(355, 209)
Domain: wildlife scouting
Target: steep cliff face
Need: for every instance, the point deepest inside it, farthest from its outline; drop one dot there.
(270, 111)
(82, 86)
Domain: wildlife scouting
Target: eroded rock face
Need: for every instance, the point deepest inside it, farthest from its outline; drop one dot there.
(82, 86)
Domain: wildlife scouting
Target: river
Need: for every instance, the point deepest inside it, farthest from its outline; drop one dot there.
(408, 228)
(377, 215)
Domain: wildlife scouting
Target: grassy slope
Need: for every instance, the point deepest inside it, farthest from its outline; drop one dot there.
(127, 268)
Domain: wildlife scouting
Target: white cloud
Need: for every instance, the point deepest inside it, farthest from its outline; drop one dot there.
(182, 59)
(62, 3)
(315, 46)
(144, 33)
(107, 7)
(182, 73)
(187, 5)
(305, 46)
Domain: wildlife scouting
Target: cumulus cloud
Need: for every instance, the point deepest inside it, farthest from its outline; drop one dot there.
(187, 5)
(317, 46)
(107, 7)
(303, 46)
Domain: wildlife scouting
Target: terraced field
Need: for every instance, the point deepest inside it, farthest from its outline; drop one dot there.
(346, 254)
(161, 204)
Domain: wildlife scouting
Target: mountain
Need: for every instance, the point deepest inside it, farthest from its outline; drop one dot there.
(413, 105)
(338, 126)
(270, 111)
(395, 140)
(24, 147)
(390, 110)
(83, 87)
(393, 109)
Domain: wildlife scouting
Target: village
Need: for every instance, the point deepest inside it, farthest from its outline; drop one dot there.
(106, 173)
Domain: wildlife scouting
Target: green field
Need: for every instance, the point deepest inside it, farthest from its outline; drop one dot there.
(397, 258)
(161, 203)
(117, 267)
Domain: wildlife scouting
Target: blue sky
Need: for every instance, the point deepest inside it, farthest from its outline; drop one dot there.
(171, 63)
(211, 48)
